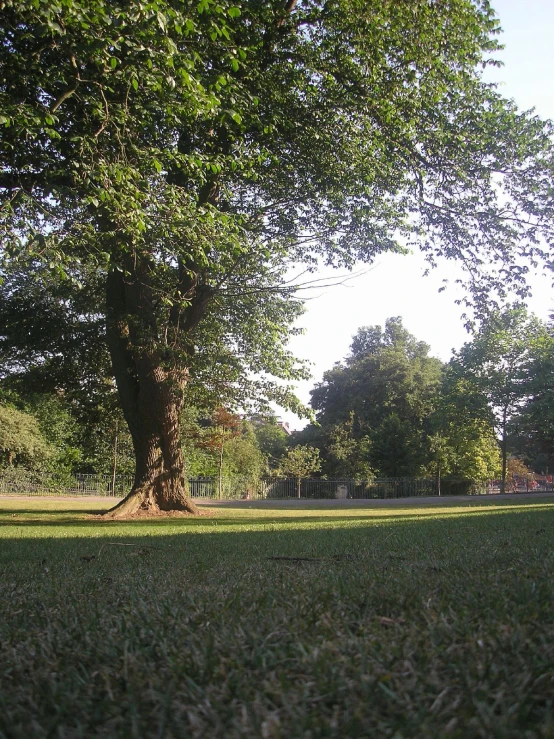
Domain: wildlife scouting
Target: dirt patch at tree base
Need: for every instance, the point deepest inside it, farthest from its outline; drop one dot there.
(152, 513)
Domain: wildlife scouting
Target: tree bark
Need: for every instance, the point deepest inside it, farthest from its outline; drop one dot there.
(220, 473)
(504, 451)
(114, 465)
(151, 387)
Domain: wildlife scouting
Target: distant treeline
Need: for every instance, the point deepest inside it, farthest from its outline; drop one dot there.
(389, 409)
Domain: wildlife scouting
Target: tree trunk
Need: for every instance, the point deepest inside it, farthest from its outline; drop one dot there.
(298, 486)
(114, 465)
(220, 473)
(160, 483)
(150, 387)
(504, 450)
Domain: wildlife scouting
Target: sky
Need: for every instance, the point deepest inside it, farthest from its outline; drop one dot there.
(395, 285)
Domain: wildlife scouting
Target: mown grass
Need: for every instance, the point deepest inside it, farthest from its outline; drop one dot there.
(398, 622)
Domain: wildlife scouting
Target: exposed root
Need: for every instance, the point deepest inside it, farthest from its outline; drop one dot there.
(150, 502)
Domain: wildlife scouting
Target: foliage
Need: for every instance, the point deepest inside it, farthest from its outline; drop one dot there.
(271, 439)
(53, 357)
(394, 91)
(395, 375)
(397, 449)
(531, 429)
(221, 445)
(518, 468)
(497, 362)
(347, 450)
(243, 458)
(462, 441)
(378, 402)
(300, 461)
(21, 441)
(223, 427)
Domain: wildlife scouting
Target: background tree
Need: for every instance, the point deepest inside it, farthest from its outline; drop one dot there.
(21, 442)
(187, 153)
(517, 471)
(224, 428)
(347, 448)
(300, 461)
(497, 361)
(389, 383)
(272, 440)
(245, 459)
(531, 429)
(462, 442)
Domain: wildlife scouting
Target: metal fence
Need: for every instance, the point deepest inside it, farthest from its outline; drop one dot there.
(16, 481)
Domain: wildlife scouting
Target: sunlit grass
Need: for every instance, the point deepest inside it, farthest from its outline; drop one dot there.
(384, 621)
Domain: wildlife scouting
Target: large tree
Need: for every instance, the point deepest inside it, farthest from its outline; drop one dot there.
(531, 429)
(188, 152)
(498, 363)
(461, 436)
(372, 408)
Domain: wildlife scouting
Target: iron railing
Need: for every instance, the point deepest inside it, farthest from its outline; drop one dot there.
(16, 481)
(26, 482)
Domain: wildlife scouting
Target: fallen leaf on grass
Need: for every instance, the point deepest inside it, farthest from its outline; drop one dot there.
(296, 559)
(143, 549)
(388, 622)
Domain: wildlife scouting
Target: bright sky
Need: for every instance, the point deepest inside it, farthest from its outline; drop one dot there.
(395, 286)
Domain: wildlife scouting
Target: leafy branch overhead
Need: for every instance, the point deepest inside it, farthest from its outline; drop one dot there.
(224, 134)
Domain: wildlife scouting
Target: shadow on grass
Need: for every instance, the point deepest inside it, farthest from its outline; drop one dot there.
(283, 519)
(51, 511)
(406, 539)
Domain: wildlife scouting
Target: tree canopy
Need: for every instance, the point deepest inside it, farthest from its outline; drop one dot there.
(391, 410)
(186, 154)
(21, 441)
(497, 362)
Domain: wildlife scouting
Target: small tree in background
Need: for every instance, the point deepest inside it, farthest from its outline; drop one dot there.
(21, 441)
(225, 427)
(299, 462)
(272, 441)
(517, 468)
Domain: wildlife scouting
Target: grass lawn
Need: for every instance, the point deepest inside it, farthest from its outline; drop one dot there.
(391, 622)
